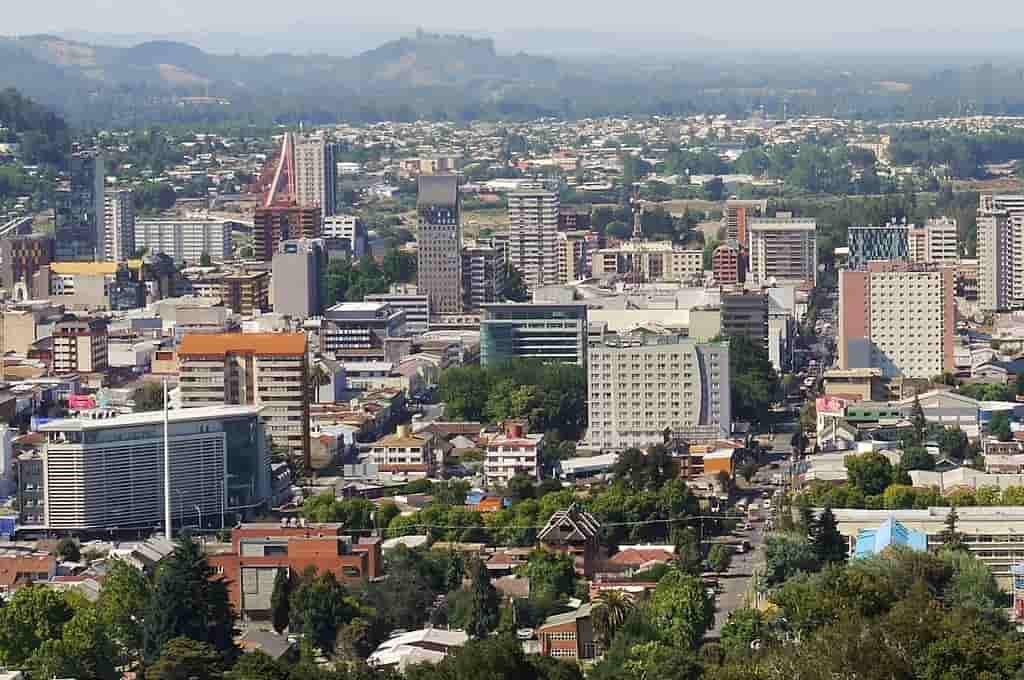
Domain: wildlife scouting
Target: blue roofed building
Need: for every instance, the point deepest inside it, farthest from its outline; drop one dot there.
(874, 541)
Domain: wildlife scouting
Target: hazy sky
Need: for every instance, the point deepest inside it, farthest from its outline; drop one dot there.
(714, 19)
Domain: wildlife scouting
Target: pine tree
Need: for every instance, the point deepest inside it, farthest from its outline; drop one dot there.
(829, 545)
(483, 617)
(808, 523)
(280, 600)
(950, 537)
(918, 421)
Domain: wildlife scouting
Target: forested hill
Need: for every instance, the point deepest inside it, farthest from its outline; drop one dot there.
(459, 78)
(42, 134)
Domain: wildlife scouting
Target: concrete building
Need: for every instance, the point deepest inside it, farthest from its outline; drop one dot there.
(296, 270)
(439, 271)
(551, 333)
(899, 318)
(26, 322)
(533, 235)
(262, 369)
(514, 452)
(745, 315)
(738, 214)
(783, 249)
(361, 331)
(415, 306)
(649, 261)
(260, 550)
(107, 472)
(246, 293)
(727, 265)
(866, 244)
(1000, 252)
(80, 346)
(21, 257)
(348, 229)
(483, 276)
(78, 208)
(937, 242)
(576, 250)
(640, 384)
(117, 237)
(316, 175)
(408, 454)
(273, 225)
(186, 239)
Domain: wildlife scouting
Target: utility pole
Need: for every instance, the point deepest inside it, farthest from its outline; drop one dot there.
(167, 466)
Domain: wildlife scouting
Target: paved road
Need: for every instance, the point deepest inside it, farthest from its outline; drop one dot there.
(735, 584)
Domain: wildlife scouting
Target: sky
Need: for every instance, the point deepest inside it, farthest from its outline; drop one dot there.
(767, 20)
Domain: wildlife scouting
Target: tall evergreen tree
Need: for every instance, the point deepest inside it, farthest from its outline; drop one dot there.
(829, 545)
(483, 617)
(950, 537)
(918, 421)
(280, 599)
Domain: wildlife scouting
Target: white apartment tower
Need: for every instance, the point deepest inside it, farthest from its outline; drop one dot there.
(117, 236)
(186, 239)
(533, 236)
(316, 175)
(937, 242)
(783, 248)
(641, 384)
(1001, 252)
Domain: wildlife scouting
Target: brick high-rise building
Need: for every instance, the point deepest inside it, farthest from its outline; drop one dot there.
(246, 293)
(276, 224)
(265, 369)
(439, 270)
(80, 346)
(738, 214)
(897, 317)
(727, 264)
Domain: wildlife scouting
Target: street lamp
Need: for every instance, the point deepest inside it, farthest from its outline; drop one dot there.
(199, 513)
(181, 513)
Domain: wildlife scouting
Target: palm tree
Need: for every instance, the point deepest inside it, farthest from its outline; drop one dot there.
(611, 609)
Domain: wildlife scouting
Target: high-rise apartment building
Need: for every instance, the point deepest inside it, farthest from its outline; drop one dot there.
(533, 235)
(574, 255)
(738, 214)
(1001, 252)
(316, 175)
(297, 266)
(80, 346)
(186, 239)
(349, 231)
(78, 214)
(273, 225)
(549, 333)
(246, 293)
(937, 242)
(727, 264)
(888, 243)
(899, 318)
(108, 472)
(261, 369)
(117, 237)
(439, 270)
(641, 384)
(783, 249)
(483, 276)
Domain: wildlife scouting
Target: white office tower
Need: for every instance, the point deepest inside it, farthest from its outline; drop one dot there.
(533, 236)
(117, 236)
(1001, 252)
(316, 175)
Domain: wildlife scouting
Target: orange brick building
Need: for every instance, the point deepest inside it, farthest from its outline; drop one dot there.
(569, 635)
(258, 551)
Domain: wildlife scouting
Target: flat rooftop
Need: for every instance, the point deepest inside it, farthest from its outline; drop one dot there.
(201, 344)
(152, 418)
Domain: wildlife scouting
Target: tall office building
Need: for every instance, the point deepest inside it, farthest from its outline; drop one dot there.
(866, 244)
(897, 317)
(78, 214)
(738, 214)
(117, 238)
(108, 472)
(937, 242)
(533, 236)
(640, 384)
(483, 276)
(783, 248)
(297, 267)
(549, 333)
(80, 346)
(276, 224)
(1001, 252)
(185, 239)
(316, 175)
(746, 315)
(261, 369)
(439, 270)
